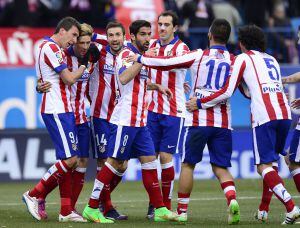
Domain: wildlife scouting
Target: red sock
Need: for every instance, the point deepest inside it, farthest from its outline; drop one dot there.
(77, 184)
(115, 181)
(183, 202)
(229, 190)
(167, 179)
(150, 181)
(65, 191)
(296, 177)
(266, 195)
(104, 177)
(275, 183)
(49, 180)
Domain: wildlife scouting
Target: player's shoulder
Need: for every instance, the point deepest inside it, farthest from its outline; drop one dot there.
(52, 47)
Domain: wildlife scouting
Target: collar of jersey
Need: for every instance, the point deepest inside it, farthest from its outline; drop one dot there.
(107, 48)
(220, 47)
(49, 39)
(133, 48)
(176, 38)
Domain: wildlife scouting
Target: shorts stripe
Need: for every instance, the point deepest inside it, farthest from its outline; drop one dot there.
(257, 157)
(118, 140)
(62, 135)
(179, 134)
(94, 137)
(297, 158)
(183, 144)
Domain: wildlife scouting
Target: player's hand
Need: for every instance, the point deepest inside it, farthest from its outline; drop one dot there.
(132, 58)
(296, 104)
(93, 53)
(287, 157)
(186, 87)
(152, 51)
(165, 91)
(191, 104)
(84, 60)
(43, 87)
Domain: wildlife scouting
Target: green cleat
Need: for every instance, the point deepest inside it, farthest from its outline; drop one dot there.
(162, 214)
(182, 217)
(94, 215)
(234, 212)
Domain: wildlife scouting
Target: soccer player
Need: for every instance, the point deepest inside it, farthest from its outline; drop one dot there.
(166, 116)
(59, 119)
(129, 135)
(209, 71)
(269, 108)
(103, 96)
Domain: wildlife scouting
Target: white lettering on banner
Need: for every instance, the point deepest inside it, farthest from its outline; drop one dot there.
(3, 56)
(31, 169)
(27, 106)
(49, 156)
(9, 160)
(20, 47)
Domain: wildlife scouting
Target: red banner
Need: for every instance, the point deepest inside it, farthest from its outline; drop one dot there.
(18, 45)
(131, 10)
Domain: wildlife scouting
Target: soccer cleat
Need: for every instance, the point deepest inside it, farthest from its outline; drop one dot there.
(292, 216)
(261, 216)
(150, 213)
(94, 215)
(42, 209)
(73, 217)
(32, 205)
(182, 217)
(113, 214)
(233, 212)
(162, 214)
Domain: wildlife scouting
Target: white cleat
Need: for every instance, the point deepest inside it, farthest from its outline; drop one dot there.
(261, 216)
(32, 205)
(73, 217)
(182, 217)
(292, 216)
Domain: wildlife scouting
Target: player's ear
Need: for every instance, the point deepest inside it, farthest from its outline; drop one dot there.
(175, 28)
(132, 36)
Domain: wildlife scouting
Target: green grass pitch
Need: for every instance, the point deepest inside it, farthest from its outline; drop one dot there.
(207, 206)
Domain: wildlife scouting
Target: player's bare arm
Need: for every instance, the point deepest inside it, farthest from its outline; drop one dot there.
(128, 74)
(294, 78)
(160, 88)
(69, 78)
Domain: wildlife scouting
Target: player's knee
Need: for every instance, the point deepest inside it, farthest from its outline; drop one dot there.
(165, 157)
(187, 166)
(72, 162)
(82, 162)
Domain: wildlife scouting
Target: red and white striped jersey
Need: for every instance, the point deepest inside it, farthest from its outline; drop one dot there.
(79, 88)
(130, 109)
(49, 63)
(173, 79)
(262, 76)
(209, 70)
(100, 39)
(102, 89)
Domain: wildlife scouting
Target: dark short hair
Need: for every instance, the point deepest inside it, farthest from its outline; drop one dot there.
(136, 25)
(175, 19)
(67, 23)
(220, 30)
(115, 24)
(252, 37)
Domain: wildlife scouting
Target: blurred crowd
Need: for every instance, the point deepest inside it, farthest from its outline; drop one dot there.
(275, 16)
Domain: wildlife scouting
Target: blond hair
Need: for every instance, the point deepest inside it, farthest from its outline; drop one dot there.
(86, 30)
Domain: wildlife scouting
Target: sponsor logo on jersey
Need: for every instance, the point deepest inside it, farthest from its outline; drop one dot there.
(59, 57)
(144, 73)
(271, 88)
(108, 69)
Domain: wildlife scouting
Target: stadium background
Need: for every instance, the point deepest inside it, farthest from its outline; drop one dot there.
(26, 150)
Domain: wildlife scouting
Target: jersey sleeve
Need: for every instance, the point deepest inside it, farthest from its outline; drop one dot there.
(54, 58)
(100, 39)
(122, 61)
(168, 63)
(232, 82)
(182, 49)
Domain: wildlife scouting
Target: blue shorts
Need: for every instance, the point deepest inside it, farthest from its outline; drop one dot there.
(269, 140)
(62, 130)
(100, 129)
(218, 140)
(165, 132)
(129, 142)
(83, 133)
(294, 154)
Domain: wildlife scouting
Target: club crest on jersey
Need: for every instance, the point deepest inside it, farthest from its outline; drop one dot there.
(59, 57)
(170, 53)
(122, 150)
(74, 146)
(102, 149)
(144, 73)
